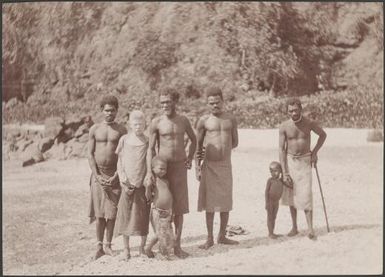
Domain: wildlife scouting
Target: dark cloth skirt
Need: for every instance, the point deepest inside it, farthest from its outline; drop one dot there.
(133, 214)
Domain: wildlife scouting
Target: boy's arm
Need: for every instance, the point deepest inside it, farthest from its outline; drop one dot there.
(268, 185)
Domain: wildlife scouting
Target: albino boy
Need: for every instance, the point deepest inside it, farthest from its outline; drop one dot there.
(133, 211)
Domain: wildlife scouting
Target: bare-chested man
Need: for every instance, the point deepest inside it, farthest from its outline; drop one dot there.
(104, 183)
(218, 131)
(297, 159)
(168, 132)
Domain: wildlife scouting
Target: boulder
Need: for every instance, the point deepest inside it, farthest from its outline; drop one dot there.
(53, 126)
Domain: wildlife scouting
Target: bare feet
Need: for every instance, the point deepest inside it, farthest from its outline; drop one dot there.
(149, 253)
(224, 240)
(312, 236)
(293, 232)
(98, 254)
(273, 236)
(126, 255)
(108, 250)
(207, 244)
(141, 251)
(180, 253)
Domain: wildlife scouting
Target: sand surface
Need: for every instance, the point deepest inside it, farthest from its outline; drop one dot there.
(46, 230)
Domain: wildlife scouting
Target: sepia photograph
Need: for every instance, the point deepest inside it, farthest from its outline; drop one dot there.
(192, 138)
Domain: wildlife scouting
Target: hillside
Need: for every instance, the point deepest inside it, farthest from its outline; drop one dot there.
(59, 58)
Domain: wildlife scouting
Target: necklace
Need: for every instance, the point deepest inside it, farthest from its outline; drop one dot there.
(298, 120)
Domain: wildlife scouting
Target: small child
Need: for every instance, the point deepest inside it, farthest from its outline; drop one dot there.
(161, 212)
(133, 211)
(273, 193)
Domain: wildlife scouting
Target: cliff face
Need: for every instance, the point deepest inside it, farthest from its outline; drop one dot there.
(58, 58)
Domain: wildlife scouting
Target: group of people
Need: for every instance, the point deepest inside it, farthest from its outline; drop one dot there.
(137, 179)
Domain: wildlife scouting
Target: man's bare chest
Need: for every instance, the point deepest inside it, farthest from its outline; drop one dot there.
(218, 125)
(171, 128)
(107, 135)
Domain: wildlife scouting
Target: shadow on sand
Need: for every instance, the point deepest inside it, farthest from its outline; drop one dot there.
(194, 251)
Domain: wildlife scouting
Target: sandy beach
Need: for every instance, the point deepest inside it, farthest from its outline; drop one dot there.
(46, 230)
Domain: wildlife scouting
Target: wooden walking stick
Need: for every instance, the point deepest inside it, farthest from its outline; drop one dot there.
(322, 196)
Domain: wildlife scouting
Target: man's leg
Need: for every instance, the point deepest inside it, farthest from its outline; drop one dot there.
(100, 226)
(309, 220)
(209, 225)
(109, 233)
(126, 253)
(178, 221)
(222, 231)
(294, 229)
(143, 240)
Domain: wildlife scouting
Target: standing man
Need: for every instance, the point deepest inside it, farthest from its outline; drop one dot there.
(104, 182)
(167, 131)
(297, 159)
(219, 132)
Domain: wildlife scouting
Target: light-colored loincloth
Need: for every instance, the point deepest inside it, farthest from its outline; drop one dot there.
(300, 196)
(104, 204)
(161, 223)
(216, 186)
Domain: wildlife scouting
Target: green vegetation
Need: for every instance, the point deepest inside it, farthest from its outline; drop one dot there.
(60, 58)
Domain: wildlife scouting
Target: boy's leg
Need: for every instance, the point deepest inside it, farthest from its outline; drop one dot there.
(222, 231)
(309, 220)
(294, 229)
(109, 233)
(270, 220)
(126, 253)
(148, 248)
(178, 222)
(100, 227)
(209, 225)
(273, 215)
(143, 240)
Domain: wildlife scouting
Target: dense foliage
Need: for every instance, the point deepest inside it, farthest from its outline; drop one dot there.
(60, 58)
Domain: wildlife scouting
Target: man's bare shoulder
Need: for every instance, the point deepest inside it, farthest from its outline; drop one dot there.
(155, 121)
(183, 118)
(228, 115)
(121, 128)
(284, 125)
(94, 127)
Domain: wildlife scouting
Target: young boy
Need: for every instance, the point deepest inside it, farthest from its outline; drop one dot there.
(161, 212)
(133, 211)
(273, 193)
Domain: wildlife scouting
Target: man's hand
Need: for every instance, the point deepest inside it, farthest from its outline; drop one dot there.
(188, 163)
(198, 172)
(149, 180)
(148, 193)
(100, 179)
(201, 154)
(313, 159)
(287, 180)
(112, 179)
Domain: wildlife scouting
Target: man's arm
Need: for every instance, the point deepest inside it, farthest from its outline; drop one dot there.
(234, 133)
(283, 154)
(193, 144)
(201, 132)
(321, 139)
(91, 157)
(151, 151)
